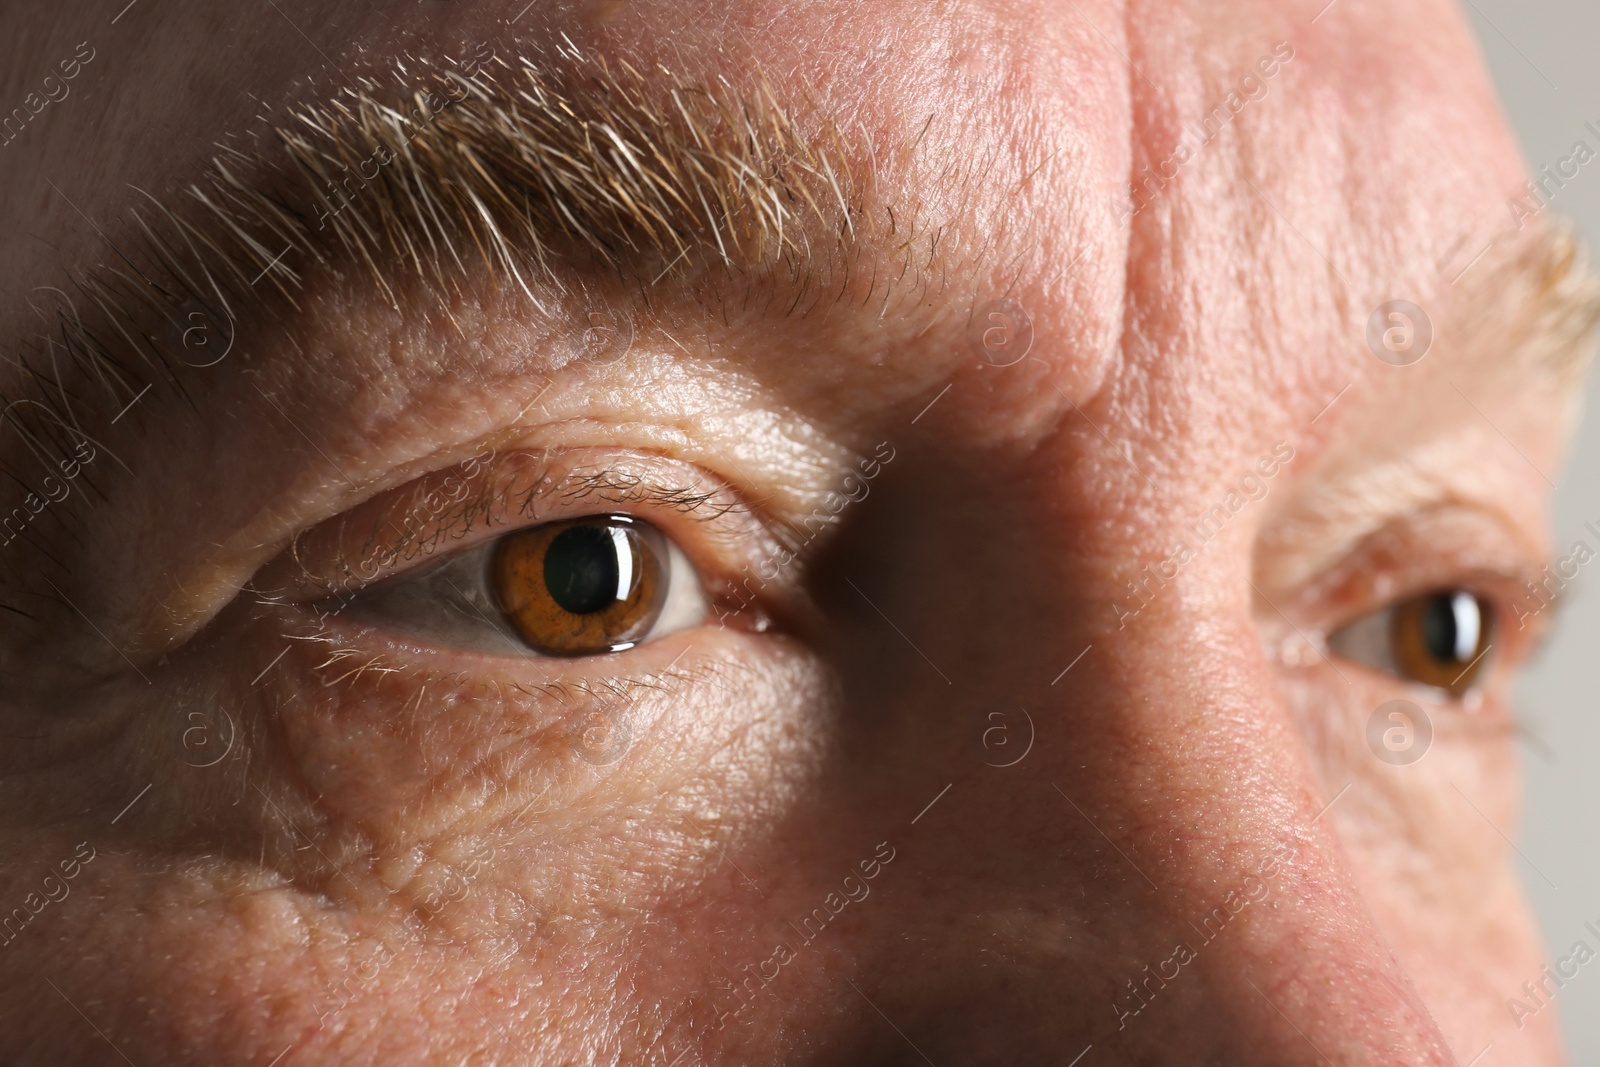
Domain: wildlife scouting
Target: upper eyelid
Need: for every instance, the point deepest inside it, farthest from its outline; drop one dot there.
(330, 559)
(435, 598)
(1445, 544)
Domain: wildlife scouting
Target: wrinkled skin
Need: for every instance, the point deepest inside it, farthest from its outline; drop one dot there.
(577, 912)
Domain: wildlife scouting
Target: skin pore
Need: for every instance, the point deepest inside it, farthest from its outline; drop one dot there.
(729, 272)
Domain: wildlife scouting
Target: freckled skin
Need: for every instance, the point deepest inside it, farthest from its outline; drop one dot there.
(815, 848)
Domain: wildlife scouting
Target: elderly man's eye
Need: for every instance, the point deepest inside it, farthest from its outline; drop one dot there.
(575, 587)
(1440, 638)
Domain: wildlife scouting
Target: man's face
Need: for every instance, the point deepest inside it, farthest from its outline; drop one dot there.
(770, 533)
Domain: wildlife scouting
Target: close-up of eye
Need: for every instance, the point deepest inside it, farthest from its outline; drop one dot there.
(574, 587)
(1440, 639)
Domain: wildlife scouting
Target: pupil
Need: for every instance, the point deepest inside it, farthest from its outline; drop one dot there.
(1441, 634)
(581, 571)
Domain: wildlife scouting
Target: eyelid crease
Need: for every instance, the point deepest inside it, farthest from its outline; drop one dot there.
(455, 509)
(1444, 546)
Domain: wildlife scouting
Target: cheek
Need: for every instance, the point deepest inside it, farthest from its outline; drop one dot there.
(453, 833)
(1423, 842)
(1423, 832)
(228, 967)
(1423, 839)
(184, 945)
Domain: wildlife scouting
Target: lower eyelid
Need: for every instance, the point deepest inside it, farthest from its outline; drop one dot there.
(400, 743)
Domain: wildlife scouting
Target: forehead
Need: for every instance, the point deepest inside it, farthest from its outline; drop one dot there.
(1287, 176)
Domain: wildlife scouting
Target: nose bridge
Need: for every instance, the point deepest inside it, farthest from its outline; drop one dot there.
(1179, 753)
(1152, 872)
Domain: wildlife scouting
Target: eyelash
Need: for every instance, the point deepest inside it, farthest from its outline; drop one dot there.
(450, 514)
(396, 537)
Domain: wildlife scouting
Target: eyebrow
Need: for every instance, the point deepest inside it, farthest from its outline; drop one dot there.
(533, 160)
(535, 172)
(1540, 290)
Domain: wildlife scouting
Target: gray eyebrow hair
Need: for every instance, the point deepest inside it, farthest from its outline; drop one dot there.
(524, 161)
(535, 171)
(1541, 287)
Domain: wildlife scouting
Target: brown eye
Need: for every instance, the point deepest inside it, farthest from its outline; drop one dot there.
(581, 587)
(1440, 638)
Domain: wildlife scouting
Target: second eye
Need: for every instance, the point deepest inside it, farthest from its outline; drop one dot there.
(1440, 639)
(575, 587)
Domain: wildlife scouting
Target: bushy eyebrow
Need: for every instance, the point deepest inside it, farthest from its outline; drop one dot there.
(1538, 289)
(527, 162)
(530, 170)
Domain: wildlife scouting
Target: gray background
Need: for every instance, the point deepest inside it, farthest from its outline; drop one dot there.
(1541, 54)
